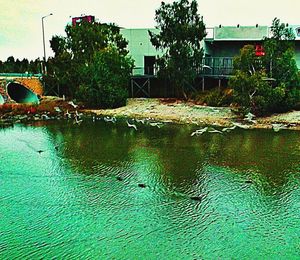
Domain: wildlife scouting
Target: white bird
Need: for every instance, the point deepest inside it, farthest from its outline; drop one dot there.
(241, 125)
(206, 66)
(108, 119)
(131, 125)
(194, 133)
(140, 121)
(72, 104)
(228, 129)
(199, 131)
(78, 114)
(159, 125)
(77, 121)
(278, 127)
(215, 131)
(249, 117)
(45, 117)
(194, 122)
(67, 114)
(57, 109)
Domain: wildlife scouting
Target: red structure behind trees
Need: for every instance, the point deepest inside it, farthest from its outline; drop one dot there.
(259, 50)
(86, 18)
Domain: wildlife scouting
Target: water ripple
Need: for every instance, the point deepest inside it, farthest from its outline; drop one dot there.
(110, 193)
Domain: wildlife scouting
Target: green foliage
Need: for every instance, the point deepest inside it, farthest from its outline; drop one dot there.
(247, 61)
(106, 79)
(215, 97)
(58, 45)
(91, 64)
(20, 66)
(279, 59)
(251, 91)
(269, 83)
(181, 31)
(84, 39)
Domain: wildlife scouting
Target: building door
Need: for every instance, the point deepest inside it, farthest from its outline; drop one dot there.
(149, 62)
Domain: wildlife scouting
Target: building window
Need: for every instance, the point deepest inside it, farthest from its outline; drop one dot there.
(298, 31)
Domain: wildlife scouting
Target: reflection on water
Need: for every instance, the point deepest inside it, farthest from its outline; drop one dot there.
(72, 192)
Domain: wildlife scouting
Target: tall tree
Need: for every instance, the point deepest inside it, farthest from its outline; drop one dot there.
(73, 66)
(10, 64)
(270, 83)
(279, 59)
(181, 32)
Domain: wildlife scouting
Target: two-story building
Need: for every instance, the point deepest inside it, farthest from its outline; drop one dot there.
(221, 44)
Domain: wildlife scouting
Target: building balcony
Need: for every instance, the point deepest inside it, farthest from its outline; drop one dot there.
(211, 66)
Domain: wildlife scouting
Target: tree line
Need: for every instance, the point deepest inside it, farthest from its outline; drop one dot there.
(12, 65)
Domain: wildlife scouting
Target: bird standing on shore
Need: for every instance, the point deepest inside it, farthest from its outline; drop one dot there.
(108, 119)
(131, 125)
(249, 118)
(228, 129)
(159, 125)
(278, 127)
(199, 131)
(67, 114)
(215, 131)
(72, 104)
(57, 109)
(77, 120)
(241, 125)
(140, 121)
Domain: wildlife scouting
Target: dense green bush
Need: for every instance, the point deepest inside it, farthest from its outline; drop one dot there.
(106, 79)
(217, 98)
(104, 96)
(251, 91)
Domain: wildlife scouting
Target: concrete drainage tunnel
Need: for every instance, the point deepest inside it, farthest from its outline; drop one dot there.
(21, 94)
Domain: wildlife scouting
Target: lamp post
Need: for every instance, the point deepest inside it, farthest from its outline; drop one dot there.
(43, 30)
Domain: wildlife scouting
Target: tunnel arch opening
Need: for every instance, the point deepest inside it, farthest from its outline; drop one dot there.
(21, 94)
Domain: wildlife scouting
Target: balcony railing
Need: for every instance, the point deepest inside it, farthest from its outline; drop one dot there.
(216, 66)
(211, 66)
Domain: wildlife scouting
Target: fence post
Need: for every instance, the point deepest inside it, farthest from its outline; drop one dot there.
(131, 81)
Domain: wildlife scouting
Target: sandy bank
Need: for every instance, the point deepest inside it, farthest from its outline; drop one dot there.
(189, 113)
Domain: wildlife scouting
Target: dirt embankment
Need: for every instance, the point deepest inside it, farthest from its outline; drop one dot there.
(169, 110)
(50, 108)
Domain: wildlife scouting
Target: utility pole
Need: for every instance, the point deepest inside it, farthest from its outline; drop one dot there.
(43, 30)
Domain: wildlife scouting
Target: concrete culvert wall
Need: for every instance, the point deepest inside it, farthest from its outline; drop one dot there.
(2, 101)
(21, 94)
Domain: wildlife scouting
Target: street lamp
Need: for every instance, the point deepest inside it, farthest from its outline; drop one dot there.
(45, 70)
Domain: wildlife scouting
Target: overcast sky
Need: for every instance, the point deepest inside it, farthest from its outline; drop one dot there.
(20, 20)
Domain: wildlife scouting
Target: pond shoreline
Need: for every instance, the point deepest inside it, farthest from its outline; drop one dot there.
(176, 111)
(154, 109)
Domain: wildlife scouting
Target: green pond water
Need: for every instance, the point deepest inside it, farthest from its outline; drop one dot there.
(69, 192)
